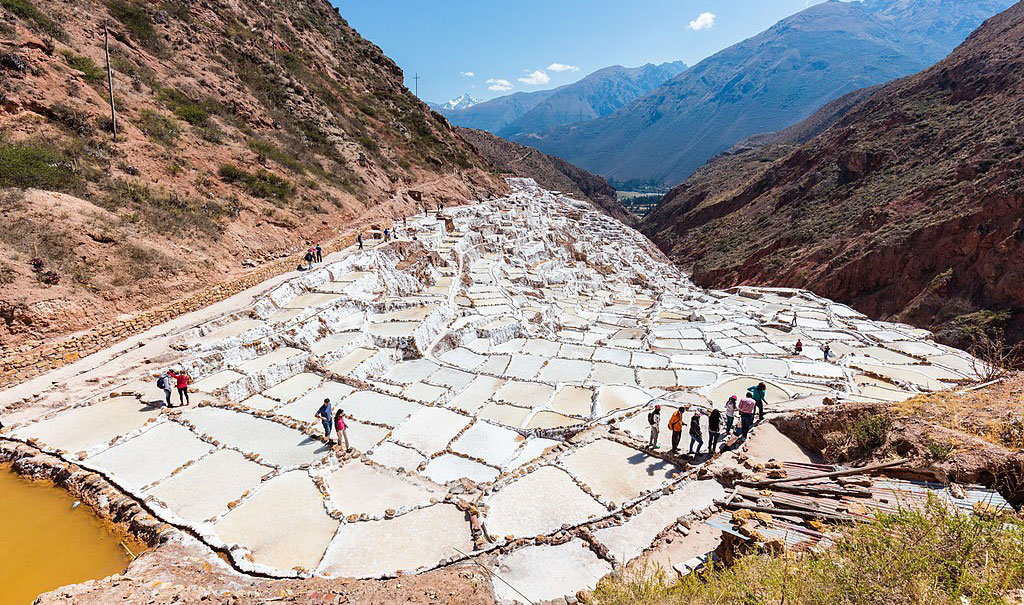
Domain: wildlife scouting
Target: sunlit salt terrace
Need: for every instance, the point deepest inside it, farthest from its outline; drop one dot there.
(495, 373)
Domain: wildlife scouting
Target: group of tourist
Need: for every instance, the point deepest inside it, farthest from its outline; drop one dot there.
(314, 254)
(174, 380)
(750, 405)
(333, 420)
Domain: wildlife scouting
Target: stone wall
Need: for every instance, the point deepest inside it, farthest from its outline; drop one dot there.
(29, 361)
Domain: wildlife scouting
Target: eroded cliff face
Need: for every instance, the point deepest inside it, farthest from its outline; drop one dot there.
(911, 206)
(246, 131)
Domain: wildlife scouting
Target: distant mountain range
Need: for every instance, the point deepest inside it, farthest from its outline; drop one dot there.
(598, 94)
(463, 101)
(906, 200)
(766, 83)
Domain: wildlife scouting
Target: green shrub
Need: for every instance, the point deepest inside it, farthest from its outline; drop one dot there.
(267, 185)
(267, 150)
(935, 556)
(211, 133)
(183, 107)
(160, 127)
(261, 184)
(871, 431)
(163, 210)
(24, 9)
(74, 120)
(136, 20)
(93, 73)
(231, 174)
(25, 165)
(938, 451)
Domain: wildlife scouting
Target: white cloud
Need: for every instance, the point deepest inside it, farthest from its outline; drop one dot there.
(499, 85)
(560, 67)
(468, 74)
(537, 78)
(703, 21)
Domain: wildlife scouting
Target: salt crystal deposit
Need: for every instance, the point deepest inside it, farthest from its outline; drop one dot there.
(478, 368)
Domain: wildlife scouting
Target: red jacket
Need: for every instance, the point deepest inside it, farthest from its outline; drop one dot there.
(181, 378)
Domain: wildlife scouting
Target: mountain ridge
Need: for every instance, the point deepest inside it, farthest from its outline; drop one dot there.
(910, 206)
(596, 94)
(765, 83)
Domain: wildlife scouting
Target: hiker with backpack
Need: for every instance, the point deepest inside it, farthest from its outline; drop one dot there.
(654, 420)
(714, 428)
(181, 380)
(747, 406)
(675, 424)
(309, 259)
(758, 394)
(730, 414)
(164, 382)
(695, 433)
(324, 414)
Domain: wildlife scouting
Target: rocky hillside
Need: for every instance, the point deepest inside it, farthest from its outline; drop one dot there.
(911, 206)
(244, 131)
(766, 83)
(598, 94)
(551, 173)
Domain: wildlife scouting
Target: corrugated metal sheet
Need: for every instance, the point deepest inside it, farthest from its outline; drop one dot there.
(883, 495)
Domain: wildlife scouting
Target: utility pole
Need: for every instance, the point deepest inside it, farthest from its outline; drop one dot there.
(417, 79)
(110, 80)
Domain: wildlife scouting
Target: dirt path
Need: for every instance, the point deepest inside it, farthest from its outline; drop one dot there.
(142, 353)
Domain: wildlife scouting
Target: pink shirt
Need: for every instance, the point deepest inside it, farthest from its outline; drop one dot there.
(747, 405)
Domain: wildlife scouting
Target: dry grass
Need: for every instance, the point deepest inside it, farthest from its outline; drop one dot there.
(933, 557)
(994, 413)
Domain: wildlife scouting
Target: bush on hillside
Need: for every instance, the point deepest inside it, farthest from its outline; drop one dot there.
(25, 10)
(935, 556)
(25, 165)
(160, 127)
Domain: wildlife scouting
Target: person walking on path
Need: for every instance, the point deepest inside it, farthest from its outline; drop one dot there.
(675, 424)
(758, 394)
(654, 420)
(359, 240)
(714, 428)
(799, 348)
(341, 427)
(181, 381)
(319, 254)
(387, 234)
(747, 406)
(309, 259)
(695, 433)
(164, 382)
(730, 414)
(826, 352)
(324, 414)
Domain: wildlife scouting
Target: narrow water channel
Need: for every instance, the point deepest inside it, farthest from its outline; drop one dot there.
(45, 542)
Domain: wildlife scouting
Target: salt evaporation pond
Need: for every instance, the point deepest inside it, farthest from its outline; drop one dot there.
(47, 543)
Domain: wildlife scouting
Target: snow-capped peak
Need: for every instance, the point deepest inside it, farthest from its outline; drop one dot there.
(463, 101)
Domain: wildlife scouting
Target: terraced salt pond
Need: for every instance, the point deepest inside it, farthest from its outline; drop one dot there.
(479, 388)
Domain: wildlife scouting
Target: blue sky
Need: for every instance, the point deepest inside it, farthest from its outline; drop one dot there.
(508, 41)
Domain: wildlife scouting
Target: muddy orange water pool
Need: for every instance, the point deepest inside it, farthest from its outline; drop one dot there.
(45, 543)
